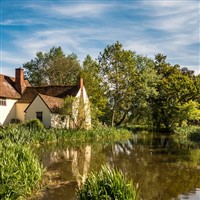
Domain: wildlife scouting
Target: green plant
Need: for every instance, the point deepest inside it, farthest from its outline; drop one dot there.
(34, 124)
(20, 171)
(188, 135)
(108, 184)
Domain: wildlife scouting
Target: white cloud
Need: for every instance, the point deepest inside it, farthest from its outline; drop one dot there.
(174, 24)
(79, 10)
(71, 9)
(16, 22)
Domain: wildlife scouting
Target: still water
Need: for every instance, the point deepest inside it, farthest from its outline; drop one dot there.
(160, 167)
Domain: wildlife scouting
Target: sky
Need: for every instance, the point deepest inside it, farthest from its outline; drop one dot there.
(148, 27)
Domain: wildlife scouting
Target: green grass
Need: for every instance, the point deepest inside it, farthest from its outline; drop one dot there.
(108, 184)
(20, 171)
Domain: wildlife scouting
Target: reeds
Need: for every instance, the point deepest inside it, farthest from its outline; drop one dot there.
(27, 135)
(108, 184)
(20, 171)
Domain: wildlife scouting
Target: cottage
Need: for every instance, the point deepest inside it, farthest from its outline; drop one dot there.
(19, 102)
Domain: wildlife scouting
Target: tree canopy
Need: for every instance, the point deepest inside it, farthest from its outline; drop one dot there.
(53, 68)
(124, 87)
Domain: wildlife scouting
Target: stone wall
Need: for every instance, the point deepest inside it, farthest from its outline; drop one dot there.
(60, 121)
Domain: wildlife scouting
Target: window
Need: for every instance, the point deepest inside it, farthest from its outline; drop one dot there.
(39, 116)
(2, 102)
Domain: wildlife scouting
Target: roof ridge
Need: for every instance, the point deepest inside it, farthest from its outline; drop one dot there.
(40, 94)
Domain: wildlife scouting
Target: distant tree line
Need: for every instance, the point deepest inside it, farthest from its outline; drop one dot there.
(124, 87)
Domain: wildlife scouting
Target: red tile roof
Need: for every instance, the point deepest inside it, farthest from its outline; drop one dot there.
(8, 87)
(53, 103)
(53, 91)
(8, 90)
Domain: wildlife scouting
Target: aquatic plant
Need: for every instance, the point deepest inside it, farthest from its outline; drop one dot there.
(20, 171)
(108, 184)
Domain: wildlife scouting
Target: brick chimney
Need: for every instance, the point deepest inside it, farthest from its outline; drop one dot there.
(19, 80)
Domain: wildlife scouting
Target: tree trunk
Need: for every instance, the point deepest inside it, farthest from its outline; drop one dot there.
(113, 118)
(122, 119)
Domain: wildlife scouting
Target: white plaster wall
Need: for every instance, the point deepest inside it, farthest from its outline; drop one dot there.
(87, 109)
(39, 106)
(59, 121)
(7, 112)
(20, 108)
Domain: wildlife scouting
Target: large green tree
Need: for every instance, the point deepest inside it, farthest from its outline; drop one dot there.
(145, 89)
(175, 88)
(53, 68)
(118, 77)
(95, 91)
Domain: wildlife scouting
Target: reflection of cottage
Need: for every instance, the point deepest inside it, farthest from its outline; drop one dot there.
(20, 101)
(78, 162)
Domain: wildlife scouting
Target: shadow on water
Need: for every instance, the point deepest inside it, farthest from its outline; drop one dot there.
(157, 164)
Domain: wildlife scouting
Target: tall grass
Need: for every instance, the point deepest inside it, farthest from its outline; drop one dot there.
(20, 171)
(24, 135)
(108, 184)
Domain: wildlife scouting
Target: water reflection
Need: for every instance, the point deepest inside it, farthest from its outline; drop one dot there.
(158, 165)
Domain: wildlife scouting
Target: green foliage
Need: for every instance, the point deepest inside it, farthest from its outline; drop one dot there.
(67, 107)
(188, 135)
(175, 88)
(119, 76)
(53, 68)
(124, 87)
(20, 171)
(95, 91)
(33, 124)
(106, 185)
(23, 135)
(129, 80)
(190, 111)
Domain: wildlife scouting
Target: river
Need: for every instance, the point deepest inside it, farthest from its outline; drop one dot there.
(161, 168)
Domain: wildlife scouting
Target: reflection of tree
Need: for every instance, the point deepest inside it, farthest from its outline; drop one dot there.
(162, 169)
(156, 165)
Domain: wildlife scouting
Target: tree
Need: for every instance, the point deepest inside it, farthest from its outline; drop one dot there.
(175, 88)
(52, 68)
(145, 89)
(119, 77)
(189, 112)
(92, 83)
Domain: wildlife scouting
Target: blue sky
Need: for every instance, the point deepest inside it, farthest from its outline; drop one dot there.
(87, 27)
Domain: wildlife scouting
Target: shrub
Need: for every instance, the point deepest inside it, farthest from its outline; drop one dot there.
(34, 124)
(20, 171)
(195, 135)
(108, 184)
